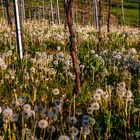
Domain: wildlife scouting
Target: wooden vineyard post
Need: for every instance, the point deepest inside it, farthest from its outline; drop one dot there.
(7, 5)
(100, 26)
(122, 5)
(18, 29)
(2, 8)
(73, 48)
(109, 15)
(139, 13)
(51, 7)
(58, 12)
(108, 22)
(96, 14)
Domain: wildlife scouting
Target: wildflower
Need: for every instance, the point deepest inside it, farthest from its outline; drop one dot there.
(27, 107)
(73, 131)
(6, 76)
(73, 77)
(92, 52)
(32, 69)
(21, 100)
(7, 112)
(86, 131)
(55, 62)
(25, 114)
(92, 121)
(122, 86)
(97, 97)
(31, 113)
(51, 129)
(137, 134)
(86, 117)
(0, 109)
(105, 95)
(5, 119)
(64, 137)
(51, 71)
(1, 62)
(73, 120)
(99, 91)
(85, 123)
(128, 94)
(4, 66)
(54, 117)
(39, 108)
(55, 110)
(14, 118)
(58, 48)
(57, 102)
(42, 124)
(78, 111)
(89, 110)
(130, 100)
(95, 106)
(9, 53)
(56, 91)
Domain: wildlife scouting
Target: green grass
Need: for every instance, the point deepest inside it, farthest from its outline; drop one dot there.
(131, 16)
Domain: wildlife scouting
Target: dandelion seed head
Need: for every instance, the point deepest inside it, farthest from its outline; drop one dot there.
(43, 123)
(7, 112)
(85, 123)
(89, 110)
(14, 117)
(64, 137)
(92, 121)
(51, 129)
(86, 131)
(97, 97)
(99, 91)
(27, 107)
(56, 91)
(95, 106)
(73, 131)
(78, 111)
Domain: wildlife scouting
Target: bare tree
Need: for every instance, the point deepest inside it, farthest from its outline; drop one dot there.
(73, 48)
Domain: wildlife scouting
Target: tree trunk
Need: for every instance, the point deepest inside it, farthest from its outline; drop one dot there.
(109, 15)
(100, 26)
(73, 48)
